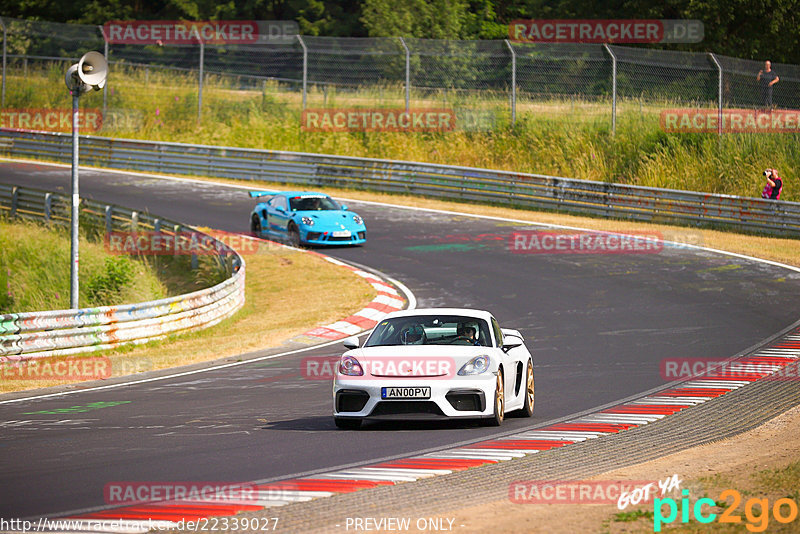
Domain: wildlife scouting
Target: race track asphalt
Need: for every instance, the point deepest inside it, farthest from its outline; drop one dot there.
(598, 325)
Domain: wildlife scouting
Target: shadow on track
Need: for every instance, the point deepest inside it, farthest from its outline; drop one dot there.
(325, 423)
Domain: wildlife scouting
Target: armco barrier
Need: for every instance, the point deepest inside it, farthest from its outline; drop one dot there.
(62, 332)
(464, 183)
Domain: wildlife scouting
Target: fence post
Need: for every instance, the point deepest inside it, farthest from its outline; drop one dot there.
(613, 89)
(5, 40)
(513, 83)
(109, 216)
(48, 206)
(408, 70)
(200, 81)
(105, 55)
(719, 93)
(176, 230)
(14, 201)
(305, 69)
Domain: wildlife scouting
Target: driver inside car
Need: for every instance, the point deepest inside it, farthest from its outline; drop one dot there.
(413, 335)
(468, 332)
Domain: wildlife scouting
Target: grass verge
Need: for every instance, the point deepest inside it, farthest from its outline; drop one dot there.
(34, 271)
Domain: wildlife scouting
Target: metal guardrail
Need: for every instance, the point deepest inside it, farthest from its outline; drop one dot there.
(64, 332)
(532, 191)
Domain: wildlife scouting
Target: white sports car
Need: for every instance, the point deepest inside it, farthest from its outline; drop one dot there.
(434, 363)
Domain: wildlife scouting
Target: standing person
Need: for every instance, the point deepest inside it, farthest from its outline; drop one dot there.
(774, 185)
(767, 78)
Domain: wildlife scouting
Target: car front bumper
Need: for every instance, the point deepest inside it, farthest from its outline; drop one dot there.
(463, 397)
(311, 237)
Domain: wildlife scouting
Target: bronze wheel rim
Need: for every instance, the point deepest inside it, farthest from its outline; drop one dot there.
(530, 385)
(499, 397)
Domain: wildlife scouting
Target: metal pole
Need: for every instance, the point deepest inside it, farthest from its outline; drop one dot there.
(5, 40)
(105, 55)
(613, 89)
(513, 83)
(719, 93)
(200, 81)
(76, 201)
(305, 69)
(408, 71)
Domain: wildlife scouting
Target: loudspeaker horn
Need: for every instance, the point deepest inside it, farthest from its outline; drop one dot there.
(93, 70)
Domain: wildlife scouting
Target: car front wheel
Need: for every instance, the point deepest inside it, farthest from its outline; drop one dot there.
(255, 225)
(294, 235)
(527, 406)
(499, 402)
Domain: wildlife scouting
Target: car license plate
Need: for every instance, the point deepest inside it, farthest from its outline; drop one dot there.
(406, 393)
(341, 233)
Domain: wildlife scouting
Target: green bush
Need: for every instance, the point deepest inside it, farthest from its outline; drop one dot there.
(106, 287)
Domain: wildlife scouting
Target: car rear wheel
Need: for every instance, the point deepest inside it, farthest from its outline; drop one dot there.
(347, 424)
(255, 225)
(499, 402)
(527, 406)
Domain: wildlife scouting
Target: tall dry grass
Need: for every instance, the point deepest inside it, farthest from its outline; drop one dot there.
(553, 136)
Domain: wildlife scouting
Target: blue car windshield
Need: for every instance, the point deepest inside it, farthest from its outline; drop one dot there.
(431, 330)
(312, 203)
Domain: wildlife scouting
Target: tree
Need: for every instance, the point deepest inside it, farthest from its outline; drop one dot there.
(434, 19)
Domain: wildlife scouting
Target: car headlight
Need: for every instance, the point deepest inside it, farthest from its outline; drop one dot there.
(308, 221)
(477, 365)
(357, 219)
(349, 366)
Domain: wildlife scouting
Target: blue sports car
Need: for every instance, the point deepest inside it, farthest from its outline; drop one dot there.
(306, 218)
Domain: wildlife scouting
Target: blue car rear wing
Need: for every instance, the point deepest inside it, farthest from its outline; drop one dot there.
(256, 194)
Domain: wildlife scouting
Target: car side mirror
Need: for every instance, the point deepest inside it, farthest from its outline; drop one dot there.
(344, 207)
(281, 210)
(351, 342)
(511, 345)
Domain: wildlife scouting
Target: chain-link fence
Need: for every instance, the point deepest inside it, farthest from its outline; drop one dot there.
(516, 78)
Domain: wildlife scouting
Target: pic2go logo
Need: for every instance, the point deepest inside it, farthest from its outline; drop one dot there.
(756, 511)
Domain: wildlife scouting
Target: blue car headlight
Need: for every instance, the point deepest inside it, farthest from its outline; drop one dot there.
(357, 219)
(308, 221)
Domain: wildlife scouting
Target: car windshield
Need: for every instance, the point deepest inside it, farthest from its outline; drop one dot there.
(431, 330)
(312, 203)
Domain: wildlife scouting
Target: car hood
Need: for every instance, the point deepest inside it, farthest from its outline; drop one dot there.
(330, 217)
(409, 361)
